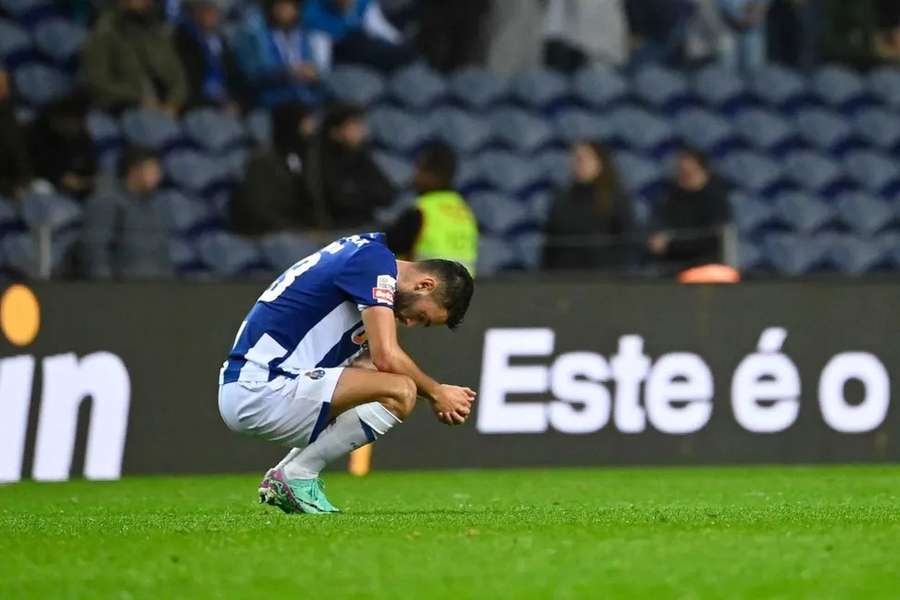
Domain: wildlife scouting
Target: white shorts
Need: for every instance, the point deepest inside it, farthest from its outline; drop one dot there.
(290, 412)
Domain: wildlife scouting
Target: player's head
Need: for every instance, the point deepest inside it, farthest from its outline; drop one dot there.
(435, 168)
(434, 292)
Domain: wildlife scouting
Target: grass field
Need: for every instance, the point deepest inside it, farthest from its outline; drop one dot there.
(575, 533)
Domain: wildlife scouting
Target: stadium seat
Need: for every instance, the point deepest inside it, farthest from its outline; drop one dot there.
(874, 172)
(793, 254)
(355, 84)
(576, 124)
(510, 173)
(228, 254)
(56, 211)
(597, 87)
(281, 250)
(466, 131)
(15, 44)
(825, 130)
(497, 213)
(213, 130)
(19, 252)
(720, 87)
(398, 170)
(838, 87)
(418, 87)
(106, 134)
(706, 131)
(521, 130)
(890, 246)
(640, 176)
(20, 8)
(398, 131)
(863, 213)
(540, 89)
(39, 84)
(259, 126)
(235, 161)
(778, 86)
(753, 172)
(60, 39)
(662, 88)
(641, 130)
(494, 255)
(884, 84)
(750, 256)
(539, 205)
(815, 172)
(195, 173)
(187, 216)
(529, 249)
(185, 257)
(751, 214)
(803, 213)
(469, 177)
(879, 127)
(766, 130)
(556, 166)
(856, 255)
(9, 216)
(150, 128)
(478, 89)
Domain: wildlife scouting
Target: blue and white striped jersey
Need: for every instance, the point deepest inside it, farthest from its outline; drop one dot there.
(311, 315)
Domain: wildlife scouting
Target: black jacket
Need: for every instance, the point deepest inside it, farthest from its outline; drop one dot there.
(193, 58)
(694, 219)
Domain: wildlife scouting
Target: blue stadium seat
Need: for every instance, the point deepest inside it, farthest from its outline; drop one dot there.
(478, 89)
(661, 88)
(539, 205)
(599, 87)
(576, 124)
(510, 173)
(803, 212)
(228, 254)
(720, 87)
(60, 39)
(187, 216)
(281, 250)
(555, 164)
(890, 246)
(213, 130)
(56, 211)
(640, 176)
(879, 127)
(9, 216)
(355, 84)
(15, 44)
(815, 172)
(863, 213)
(497, 213)
(469, 177)
(751, 214)
(753, 172)
(778, 86)
(838, 87)
(185, 257)
(825, 130)
(641, 130)
(751, 257)
(195, 173)
(259, 126)
(766, 130)
(150, 128)
(20, 8)
(19, 252)
(235, 162)
(494, 255)
(466, 131)
(793, 254)
(398, 170)
(706, 131)
(418, 87)
(39, 84)
(540, 89)
(529, 249)
(856, 255)
(884, 84)
(874, 172)
(521, 130)
(107, 137)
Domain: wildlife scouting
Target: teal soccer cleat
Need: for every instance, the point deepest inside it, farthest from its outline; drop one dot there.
(274, 490)
(310, 495)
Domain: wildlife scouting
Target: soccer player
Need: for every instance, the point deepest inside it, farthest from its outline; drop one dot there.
(294, 377)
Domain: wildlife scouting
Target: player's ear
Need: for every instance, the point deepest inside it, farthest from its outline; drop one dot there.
(426, 284)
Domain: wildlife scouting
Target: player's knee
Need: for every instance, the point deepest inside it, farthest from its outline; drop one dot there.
(404, 399)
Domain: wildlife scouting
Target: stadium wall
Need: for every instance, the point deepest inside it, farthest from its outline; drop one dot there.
(567, 373)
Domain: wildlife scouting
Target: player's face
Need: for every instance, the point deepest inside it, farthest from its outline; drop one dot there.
(418, 309)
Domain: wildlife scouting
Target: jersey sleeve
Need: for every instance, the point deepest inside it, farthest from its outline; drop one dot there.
(369, 277)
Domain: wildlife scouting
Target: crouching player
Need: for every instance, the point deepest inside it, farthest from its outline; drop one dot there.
(288, 378)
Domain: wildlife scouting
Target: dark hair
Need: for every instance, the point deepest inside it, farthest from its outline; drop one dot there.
(697, 155)
(286, 119)
(607, 185)
(455, 287)
(439, 161)
(338, 113)
(132, 157)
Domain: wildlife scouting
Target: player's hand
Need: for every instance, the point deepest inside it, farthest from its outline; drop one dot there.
(452, 404)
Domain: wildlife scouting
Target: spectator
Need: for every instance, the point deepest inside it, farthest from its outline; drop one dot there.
(707, 37)
(582, 32)
(451, 33)
(506, 26)
(15, 169)
(61, 147)
(658, 29)
(887, 40)
(273, 195)
(794, 29)
(213, 76)
(849, 32)
(747, 19)
(692, 214)
(126, 232)
(345, 180)
(280, 58)
(130, 60)
(590, 222)
(360, 32)
(441, 224)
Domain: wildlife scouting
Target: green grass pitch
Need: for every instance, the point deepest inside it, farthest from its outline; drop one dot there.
(760, 532)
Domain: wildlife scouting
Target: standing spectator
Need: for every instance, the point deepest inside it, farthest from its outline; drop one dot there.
(582, 32)
(707, 37)
(214, 78)
(126, 230)
(130, 60)
(15, 169)
(506, 26)
(747, 18)
(61, 147)
(591, 220)
(692, 214)
(450, 35)
(887, 40)
(345, 179)
(441, 224)
(794, 32)
(360, 32)
(281, 59)
(658, 29)
(273, 195)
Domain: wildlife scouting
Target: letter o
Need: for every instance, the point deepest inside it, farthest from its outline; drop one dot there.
(865, 416)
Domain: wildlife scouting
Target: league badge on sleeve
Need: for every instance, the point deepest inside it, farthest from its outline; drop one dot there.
(384, 289)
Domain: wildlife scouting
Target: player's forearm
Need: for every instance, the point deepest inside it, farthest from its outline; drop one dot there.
(401, 363)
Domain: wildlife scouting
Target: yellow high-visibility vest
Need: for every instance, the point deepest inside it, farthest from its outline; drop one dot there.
(449, 229)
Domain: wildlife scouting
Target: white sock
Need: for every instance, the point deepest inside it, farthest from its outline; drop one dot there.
(290, 456)
(354, 428)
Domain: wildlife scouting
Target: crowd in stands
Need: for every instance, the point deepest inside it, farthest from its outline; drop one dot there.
(318, 171)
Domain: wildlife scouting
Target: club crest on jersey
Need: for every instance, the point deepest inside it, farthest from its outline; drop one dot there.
(386, 282)
(316, 374)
